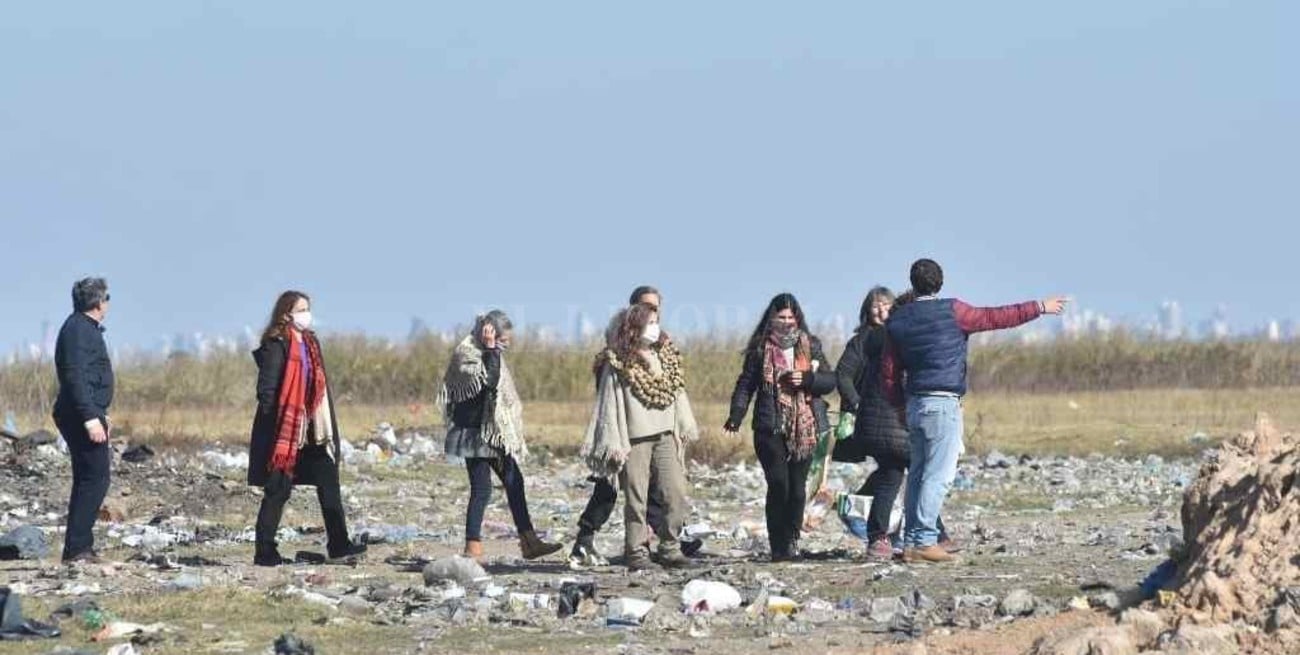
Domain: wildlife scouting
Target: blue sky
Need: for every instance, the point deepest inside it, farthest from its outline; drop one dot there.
(427, 160)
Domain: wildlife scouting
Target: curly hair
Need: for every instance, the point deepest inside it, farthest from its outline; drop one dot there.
(628, 338)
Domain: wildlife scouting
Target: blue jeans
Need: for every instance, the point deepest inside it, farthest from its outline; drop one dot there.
(934, 427)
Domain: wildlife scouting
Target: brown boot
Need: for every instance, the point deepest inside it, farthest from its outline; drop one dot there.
(927, 555)
(533, 547)
(474, 550)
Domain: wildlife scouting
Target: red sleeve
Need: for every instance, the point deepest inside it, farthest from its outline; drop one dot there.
(891, 375)
(982, 319)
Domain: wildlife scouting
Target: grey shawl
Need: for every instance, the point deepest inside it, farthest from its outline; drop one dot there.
(466, 378)
(607, 443)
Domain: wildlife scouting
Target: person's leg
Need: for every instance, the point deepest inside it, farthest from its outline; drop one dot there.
(796, 501)
(599, 508)
(668, 483)
(916, 435)
(941, 420)
(636, 488)
(90, 478)
(655, 512)
(604, 497)
(883, 486)
(771, 451)
(326, 474)
(512, 479)
(480, 492)
(275, 493)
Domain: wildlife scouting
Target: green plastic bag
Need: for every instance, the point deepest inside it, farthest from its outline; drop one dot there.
(844, 429)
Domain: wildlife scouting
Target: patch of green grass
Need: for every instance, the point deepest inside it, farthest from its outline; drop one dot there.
(236, 620)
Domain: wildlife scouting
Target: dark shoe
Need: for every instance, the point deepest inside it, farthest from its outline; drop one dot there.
(781, 556)
(670, 557)
(880, 549)
(268, 556)
(638, 560)
(947, 543)
(584, 553)
(348, 554)
(84, 557)
(531, 546)
(692, 548)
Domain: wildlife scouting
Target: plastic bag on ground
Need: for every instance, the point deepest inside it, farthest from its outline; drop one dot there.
(709, 596)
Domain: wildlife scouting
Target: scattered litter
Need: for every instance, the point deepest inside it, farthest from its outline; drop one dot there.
(462, 570)
(290, 644)
(138, 454)
(12, 624)
(24, 542)
(120, 629)
(627, 611)
(709, 597)
(572, 596)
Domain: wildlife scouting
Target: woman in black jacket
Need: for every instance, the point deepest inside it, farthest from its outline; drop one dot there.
(295, 437)
(878, 433)
(785, 367)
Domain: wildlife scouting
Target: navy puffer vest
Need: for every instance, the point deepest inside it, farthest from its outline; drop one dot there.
(931, 345)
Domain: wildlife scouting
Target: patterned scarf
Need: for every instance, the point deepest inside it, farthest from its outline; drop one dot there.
(465, 379)
(794, 407)
(295, 405)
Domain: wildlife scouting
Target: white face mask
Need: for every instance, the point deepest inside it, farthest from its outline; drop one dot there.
(651, 333)
(301, 320)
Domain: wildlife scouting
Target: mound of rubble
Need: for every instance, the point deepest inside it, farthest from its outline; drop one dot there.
(1241, 522)
(1237, 586)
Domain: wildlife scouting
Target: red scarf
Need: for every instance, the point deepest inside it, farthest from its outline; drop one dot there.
(296, 408)
(794, 406)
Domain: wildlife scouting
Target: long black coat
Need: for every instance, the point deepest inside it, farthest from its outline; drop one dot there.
(272, 357)
(750, 383)
(877, 432)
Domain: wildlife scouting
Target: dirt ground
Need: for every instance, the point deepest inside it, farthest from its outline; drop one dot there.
(1059, 528)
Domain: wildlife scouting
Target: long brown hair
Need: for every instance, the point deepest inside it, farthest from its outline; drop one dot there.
(628, 340)
(279, 314)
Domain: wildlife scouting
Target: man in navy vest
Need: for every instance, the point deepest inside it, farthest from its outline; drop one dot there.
(926, 358)
(81, 412)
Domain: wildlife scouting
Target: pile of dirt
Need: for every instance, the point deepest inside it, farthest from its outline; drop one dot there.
(1238, 580)
(1241, 524)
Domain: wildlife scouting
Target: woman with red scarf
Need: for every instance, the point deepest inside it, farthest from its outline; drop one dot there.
(295, 436)
(788, 372)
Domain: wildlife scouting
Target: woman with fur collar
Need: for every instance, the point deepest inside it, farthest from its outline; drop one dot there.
(638, 432)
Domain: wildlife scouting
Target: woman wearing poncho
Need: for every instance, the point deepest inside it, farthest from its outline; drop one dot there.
(638, 431)
(485, 426)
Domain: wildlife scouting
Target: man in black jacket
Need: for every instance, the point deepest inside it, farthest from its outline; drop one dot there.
(81, 412)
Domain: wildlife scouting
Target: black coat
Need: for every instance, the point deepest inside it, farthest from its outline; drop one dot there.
(877, 431)
(272, 357)
(751, 383)
(84, 370)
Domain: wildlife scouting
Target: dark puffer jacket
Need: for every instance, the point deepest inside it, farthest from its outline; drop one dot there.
(877, 432)
(751, 383)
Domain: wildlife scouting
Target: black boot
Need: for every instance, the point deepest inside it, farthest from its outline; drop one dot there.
(348, 552)
(266, 554)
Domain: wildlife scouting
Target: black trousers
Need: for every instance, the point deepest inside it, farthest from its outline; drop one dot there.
(90, 477)
(883, 486)
(604, 497)
(279, 487)
(786, 491)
